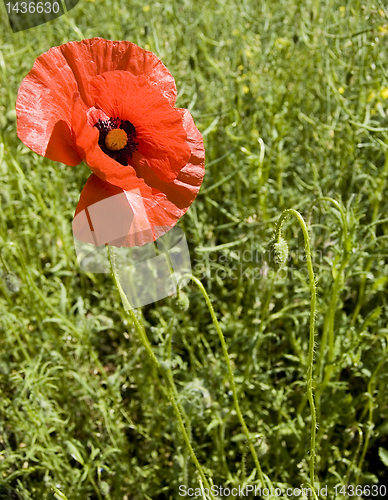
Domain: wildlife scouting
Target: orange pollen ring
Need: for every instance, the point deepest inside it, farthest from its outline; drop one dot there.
(116, 139)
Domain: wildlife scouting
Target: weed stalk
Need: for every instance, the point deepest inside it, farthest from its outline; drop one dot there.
(230, 374)
(310, 394)
(162, 370)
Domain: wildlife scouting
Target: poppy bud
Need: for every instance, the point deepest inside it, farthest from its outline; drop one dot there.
(180, 302)
(277, 253)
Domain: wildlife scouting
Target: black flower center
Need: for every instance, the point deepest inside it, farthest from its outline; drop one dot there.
(117, 145)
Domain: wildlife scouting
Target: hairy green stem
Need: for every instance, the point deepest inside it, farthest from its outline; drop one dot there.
(328, 325)
(170, 387)
(313, 292)
(231, 376)
(169, 372)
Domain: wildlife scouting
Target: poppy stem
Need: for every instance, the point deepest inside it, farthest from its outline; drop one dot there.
(327, 337)
(231, 376)
(170, 386)
(328, 326)
(310, 394)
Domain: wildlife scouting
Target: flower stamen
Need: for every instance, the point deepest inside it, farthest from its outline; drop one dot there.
(116, 139)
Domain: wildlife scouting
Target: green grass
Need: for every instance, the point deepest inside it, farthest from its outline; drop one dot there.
(292, 100)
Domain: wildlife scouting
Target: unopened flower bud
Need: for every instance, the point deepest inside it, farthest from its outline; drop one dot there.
(277, 253)
(180, 302)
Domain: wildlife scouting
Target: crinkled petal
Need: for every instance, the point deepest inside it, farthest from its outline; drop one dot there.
(46, 93)
(96, 56)
(106, 168)
(183, 190)
(43, 110)
(154, 212)
(61, 146)
(119, 207)
(159, 129)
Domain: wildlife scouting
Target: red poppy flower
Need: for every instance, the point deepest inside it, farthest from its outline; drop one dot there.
(112, 105)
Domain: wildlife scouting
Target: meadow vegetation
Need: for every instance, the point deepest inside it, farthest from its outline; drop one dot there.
(292, 100)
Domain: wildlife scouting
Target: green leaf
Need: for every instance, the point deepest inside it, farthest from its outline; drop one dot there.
(58, 494)
(383, 454)
(74, 452)
(238, 437)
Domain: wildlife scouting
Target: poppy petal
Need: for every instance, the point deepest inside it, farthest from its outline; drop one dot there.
(184, 189)
(96, 56)
(71, 88)
(160, 134)
(107, 169)
(155, 212)
(123, 205)
(46, 93)
(61, 145)
(43, 101)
